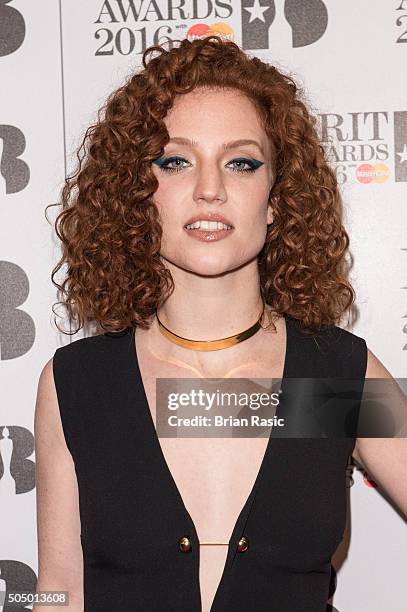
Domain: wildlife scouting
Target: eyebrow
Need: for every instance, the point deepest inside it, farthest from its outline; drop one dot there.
(226, 146)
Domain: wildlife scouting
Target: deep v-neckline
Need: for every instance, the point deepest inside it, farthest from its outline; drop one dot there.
(244, 513)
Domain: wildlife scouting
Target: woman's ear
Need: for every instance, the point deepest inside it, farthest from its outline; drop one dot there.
(270, 215)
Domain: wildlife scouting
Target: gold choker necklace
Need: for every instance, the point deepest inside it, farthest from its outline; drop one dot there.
(210, 345)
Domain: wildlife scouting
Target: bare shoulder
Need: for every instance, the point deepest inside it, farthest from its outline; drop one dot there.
(60, 561)
(47, 419)
(385, 459)
(375, 368)
(368, 450)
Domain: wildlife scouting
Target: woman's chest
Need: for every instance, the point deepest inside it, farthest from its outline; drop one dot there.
(214, 475)
(132, 483)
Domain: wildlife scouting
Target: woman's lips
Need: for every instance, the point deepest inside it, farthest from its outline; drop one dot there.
(208, 235)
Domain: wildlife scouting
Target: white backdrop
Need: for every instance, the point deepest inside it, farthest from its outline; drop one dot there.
(58, 62)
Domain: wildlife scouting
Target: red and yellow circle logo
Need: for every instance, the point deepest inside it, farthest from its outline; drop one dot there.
(201, 30)
(372, 173)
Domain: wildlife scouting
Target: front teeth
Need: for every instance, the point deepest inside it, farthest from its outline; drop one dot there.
(208, 225)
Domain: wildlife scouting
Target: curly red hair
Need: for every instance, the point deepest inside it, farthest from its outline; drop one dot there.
(109, 225)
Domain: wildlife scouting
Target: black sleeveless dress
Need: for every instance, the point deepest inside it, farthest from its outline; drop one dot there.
(132, 515)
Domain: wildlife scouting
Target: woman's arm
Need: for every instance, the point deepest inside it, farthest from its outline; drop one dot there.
(60, 561)
(384, 459)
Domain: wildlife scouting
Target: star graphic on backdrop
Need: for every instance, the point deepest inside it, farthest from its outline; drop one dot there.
(403, 154)
(256, 11)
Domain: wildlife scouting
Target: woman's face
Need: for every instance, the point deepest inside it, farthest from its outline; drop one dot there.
(203, 178)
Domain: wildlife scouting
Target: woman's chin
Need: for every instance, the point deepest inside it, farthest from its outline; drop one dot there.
(204, 266)
(208, 268)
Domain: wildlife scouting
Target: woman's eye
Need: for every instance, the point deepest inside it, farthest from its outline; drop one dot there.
(252, 163)
(164, 164)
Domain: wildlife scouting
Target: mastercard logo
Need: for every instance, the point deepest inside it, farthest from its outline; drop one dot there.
(201, 30)
(372, 173)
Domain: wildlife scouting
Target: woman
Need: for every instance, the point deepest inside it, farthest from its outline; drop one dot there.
(127, 521)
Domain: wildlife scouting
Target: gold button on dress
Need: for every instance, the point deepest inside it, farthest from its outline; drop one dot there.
(185, 544)
(243, 544)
